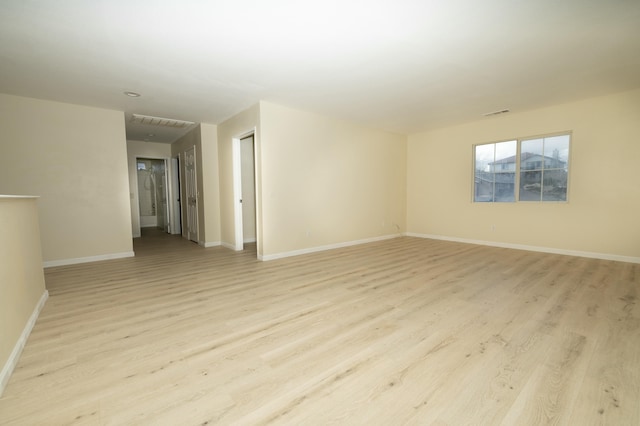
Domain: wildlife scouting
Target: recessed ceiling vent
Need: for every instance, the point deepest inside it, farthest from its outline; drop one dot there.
(159, 121)
(490, 114)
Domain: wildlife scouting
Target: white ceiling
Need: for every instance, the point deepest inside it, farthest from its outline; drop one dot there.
(400, 65)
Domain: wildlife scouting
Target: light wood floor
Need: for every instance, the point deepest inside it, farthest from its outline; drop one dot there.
(405, 331)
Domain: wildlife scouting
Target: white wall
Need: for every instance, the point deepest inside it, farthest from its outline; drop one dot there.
(74, 157)
(326, 182)
(601, 216)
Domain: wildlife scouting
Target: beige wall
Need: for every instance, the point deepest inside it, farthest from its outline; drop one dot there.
(141, 149)
(210, 183)
(21, 276)
(234, 127)
(604, 191)
(325, 182)
(75, 158)
(322, 182)
(205, 139)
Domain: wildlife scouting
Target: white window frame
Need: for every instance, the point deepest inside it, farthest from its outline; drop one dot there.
(518, 170)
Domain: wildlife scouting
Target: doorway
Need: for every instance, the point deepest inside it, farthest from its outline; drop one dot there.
(152, 193)
(191, 192)
(247, 165)
(176, 207)
(244, 190)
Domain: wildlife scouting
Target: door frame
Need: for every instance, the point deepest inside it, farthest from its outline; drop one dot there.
(236, 151)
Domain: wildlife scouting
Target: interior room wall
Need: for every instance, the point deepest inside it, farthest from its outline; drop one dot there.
(210, 183)
(601, 215)
(141, 149)
(22, 289)
(327, 182)
(74, 157)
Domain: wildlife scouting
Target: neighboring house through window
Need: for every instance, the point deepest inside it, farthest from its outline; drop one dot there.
(495, 178)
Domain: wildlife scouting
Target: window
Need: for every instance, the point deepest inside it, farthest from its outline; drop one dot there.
(537, 167)
(544, 165)
(495, 172)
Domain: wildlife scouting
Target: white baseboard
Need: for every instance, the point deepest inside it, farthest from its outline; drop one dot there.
(249, 240)
(11, 363)
(211, 244)
(231, 246)
(603, 256)
(228, 245)
(323, 248)
(63, 262)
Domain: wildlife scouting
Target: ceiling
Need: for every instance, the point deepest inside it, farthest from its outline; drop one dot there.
(400, 65)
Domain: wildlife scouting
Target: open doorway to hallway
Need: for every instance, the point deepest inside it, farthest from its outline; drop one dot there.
(247, 164)
(153, 193)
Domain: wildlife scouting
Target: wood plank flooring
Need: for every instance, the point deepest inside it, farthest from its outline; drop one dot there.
(404, 331)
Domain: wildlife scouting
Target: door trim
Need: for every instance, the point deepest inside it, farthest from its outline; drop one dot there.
(238, 244)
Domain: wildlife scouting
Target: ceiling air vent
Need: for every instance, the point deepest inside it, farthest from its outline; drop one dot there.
(490, 114)
(159, 121)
